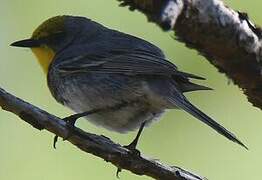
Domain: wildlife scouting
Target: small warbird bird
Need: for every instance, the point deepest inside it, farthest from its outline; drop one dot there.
(113, 79)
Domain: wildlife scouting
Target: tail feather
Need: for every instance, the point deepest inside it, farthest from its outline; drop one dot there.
(189, 86)
(193, 76)
(191, 109)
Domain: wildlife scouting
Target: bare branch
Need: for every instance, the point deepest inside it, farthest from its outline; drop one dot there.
(225, 37)
(100, 146)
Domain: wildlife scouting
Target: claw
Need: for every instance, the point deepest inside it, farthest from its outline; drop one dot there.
(70, 123)
(117, 172)
(55, 141)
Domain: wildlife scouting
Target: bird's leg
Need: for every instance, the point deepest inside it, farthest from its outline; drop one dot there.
(70, 123)
(71, 120)
(132, 146)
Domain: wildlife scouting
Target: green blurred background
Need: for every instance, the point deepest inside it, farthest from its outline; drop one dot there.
(178, 139)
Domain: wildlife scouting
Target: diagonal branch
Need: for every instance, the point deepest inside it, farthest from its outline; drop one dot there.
(225, 37)
(99, 146)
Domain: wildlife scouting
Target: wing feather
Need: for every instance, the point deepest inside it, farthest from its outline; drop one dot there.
(135, 62)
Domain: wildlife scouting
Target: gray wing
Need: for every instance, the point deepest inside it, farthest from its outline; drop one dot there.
(116, 52)
(122, 61)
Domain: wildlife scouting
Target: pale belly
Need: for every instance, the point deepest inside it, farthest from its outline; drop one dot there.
(125, 111)
(141, 104)
(121, 119)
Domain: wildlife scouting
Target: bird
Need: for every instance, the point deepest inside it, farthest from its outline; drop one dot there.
(113, 79)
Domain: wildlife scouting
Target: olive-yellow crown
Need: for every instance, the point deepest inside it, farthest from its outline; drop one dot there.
(54, 25)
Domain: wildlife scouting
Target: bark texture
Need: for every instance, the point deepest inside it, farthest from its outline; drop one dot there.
(99, 146)
(227, 38)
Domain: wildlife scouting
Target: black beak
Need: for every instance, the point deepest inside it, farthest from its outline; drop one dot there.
(27, 43)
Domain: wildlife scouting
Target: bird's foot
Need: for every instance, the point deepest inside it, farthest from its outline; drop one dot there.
(132, 149)
(70, 123)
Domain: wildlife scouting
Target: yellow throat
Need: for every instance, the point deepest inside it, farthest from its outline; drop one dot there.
(45, 56)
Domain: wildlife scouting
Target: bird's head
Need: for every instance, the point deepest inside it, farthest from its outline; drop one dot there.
(55, 34)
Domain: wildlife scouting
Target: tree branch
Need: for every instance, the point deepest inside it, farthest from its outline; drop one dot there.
(100, 146)
(225, 37)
